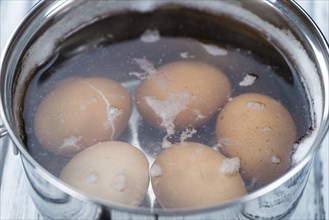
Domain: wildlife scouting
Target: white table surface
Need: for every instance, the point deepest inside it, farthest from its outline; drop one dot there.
(15, 202)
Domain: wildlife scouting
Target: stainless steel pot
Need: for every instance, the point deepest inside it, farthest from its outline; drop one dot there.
(284, 24)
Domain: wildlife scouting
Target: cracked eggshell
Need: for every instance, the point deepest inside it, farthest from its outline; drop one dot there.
(192, 175)
(80, 112)
(112, 170)
(261, 132)
(182, 94)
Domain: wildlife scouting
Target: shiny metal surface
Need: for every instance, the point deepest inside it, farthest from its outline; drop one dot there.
(3, 131)
(56, 200)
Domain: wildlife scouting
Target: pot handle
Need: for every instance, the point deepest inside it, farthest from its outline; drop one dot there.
(3, 131)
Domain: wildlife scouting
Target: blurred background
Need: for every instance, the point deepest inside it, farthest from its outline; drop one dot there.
(15, 202)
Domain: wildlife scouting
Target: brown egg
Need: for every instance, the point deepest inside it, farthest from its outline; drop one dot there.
(80, 112)
(261, 132)
(192, 175)
(182, 94)
(112, 170)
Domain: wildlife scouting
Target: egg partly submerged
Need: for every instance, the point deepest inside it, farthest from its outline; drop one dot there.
(261, 132)
(80, 112)
(182, 94)
(192, 175)
(112, 170)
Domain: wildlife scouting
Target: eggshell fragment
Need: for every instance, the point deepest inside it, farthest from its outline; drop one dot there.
(192, 175)
(80, 112)
(112, 170)
(261, 132)
(182, 94)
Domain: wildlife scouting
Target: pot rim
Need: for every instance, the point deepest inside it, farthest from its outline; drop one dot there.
(6, 117)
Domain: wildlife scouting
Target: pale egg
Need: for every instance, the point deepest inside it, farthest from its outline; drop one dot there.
(80, 112)
(192, 175)
(182, 94)
(261, 132)
(112, 170)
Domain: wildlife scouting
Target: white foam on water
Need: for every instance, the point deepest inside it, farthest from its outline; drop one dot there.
(156, 170)
(248, 80)
(230, 166)
(198, 114)
(120, 182)
(187, 133)
(91, 179)
(186, 55)
(275, 159)
(168, 109)
(214, 50)
(150, 36)
(165, 142)
(146, 66)
(255, 105)
(266, 129)
(70, 142)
